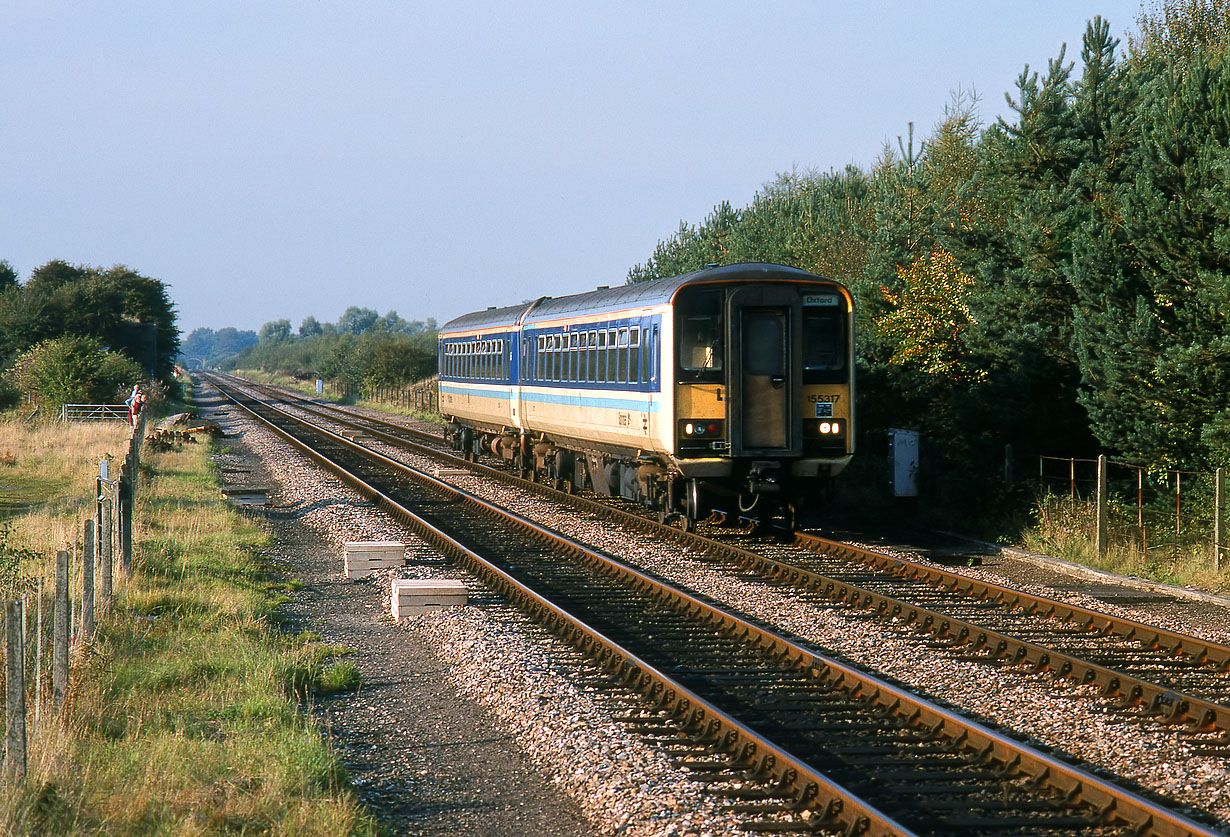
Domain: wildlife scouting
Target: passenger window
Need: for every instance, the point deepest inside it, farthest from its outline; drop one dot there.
(623, 355)
(593, 356)
(574, 361)
(583, 343)
(634, 355)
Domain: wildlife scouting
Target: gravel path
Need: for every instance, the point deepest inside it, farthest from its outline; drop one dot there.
(620, 785)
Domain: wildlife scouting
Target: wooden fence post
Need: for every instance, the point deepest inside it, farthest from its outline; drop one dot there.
(59, 634)
(1100, 540)
(15, 693)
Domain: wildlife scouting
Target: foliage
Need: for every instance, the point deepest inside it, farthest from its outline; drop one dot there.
(928, 318)
(8, 275)
(362, 349)
(205, 347)
(1057, 282)
(15, 565)
(1183, 31)
(275, 331)
(123, 310)
(75, 370)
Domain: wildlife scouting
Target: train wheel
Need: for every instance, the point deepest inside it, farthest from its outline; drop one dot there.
(790, 517)
(693, 505)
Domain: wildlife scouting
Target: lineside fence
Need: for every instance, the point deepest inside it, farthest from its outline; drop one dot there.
(424, 397)
(59, 614)
(1158, 512)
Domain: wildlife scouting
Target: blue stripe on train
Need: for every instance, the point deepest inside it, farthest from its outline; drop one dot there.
(611, 402)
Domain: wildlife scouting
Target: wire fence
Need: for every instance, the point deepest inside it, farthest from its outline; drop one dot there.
(58, 613)
(423, 397)
(1157, 511)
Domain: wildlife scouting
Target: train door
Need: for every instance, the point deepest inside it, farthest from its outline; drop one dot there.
(765, 377)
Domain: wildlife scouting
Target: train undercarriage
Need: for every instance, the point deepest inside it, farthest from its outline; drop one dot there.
(757, 494)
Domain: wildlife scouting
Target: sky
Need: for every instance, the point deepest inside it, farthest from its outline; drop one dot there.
(275, 159)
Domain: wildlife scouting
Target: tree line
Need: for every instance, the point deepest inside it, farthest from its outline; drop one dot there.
(1058, 281)
(362, 349)
(79, 333)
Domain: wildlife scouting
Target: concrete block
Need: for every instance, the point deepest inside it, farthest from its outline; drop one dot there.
(246, 495)
(355, 436)
(450, 472)
(361, 557)
(412, 596)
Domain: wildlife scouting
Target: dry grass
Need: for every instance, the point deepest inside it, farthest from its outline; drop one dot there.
(183, 714)
(50, 485)
(1066, 530)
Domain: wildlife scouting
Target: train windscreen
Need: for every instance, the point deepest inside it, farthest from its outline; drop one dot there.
(824, 344)
(700, 325)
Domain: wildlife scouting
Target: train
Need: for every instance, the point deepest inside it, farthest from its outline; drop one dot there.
(724, 393)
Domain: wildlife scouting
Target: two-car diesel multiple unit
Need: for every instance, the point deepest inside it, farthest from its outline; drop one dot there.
(730, 388)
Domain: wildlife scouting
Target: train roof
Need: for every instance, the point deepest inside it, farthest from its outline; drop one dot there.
(636, 295)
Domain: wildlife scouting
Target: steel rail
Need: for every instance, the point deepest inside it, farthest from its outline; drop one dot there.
(1168, 705)
(839, 807)
(1109, 800)
(1198, 650)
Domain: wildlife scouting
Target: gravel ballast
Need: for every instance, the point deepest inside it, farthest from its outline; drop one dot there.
(590, 774)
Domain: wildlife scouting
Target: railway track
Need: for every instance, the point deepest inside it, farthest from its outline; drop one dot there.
(1176, 679)
(893, 762)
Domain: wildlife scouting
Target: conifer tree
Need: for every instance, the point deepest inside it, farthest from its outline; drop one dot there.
(1176, 215)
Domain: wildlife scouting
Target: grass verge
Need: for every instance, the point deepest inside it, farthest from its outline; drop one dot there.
(183, 714)
(1066, 530)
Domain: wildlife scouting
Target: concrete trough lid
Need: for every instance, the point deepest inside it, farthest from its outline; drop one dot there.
(361, 557)
(450, 472)
(375, 546)
(412, 596)
(246, 495)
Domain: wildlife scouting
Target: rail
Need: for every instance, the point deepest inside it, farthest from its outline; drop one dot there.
(808, 788)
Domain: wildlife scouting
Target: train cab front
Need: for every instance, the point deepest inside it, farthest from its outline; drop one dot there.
(762, 395)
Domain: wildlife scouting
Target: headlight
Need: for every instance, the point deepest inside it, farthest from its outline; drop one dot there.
(697, 429)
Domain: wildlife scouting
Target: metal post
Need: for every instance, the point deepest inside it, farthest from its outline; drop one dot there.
(87, 582)
(59, 635)
(123, 495)
(1218, 511)
(15, 694)
(1178, 519)
(1100, 541)
(1140, 514)
(38, 651)
(104, 556)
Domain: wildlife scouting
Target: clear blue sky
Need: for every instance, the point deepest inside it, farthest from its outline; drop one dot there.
(277, 159)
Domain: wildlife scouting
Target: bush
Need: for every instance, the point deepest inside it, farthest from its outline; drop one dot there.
(74, 370)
